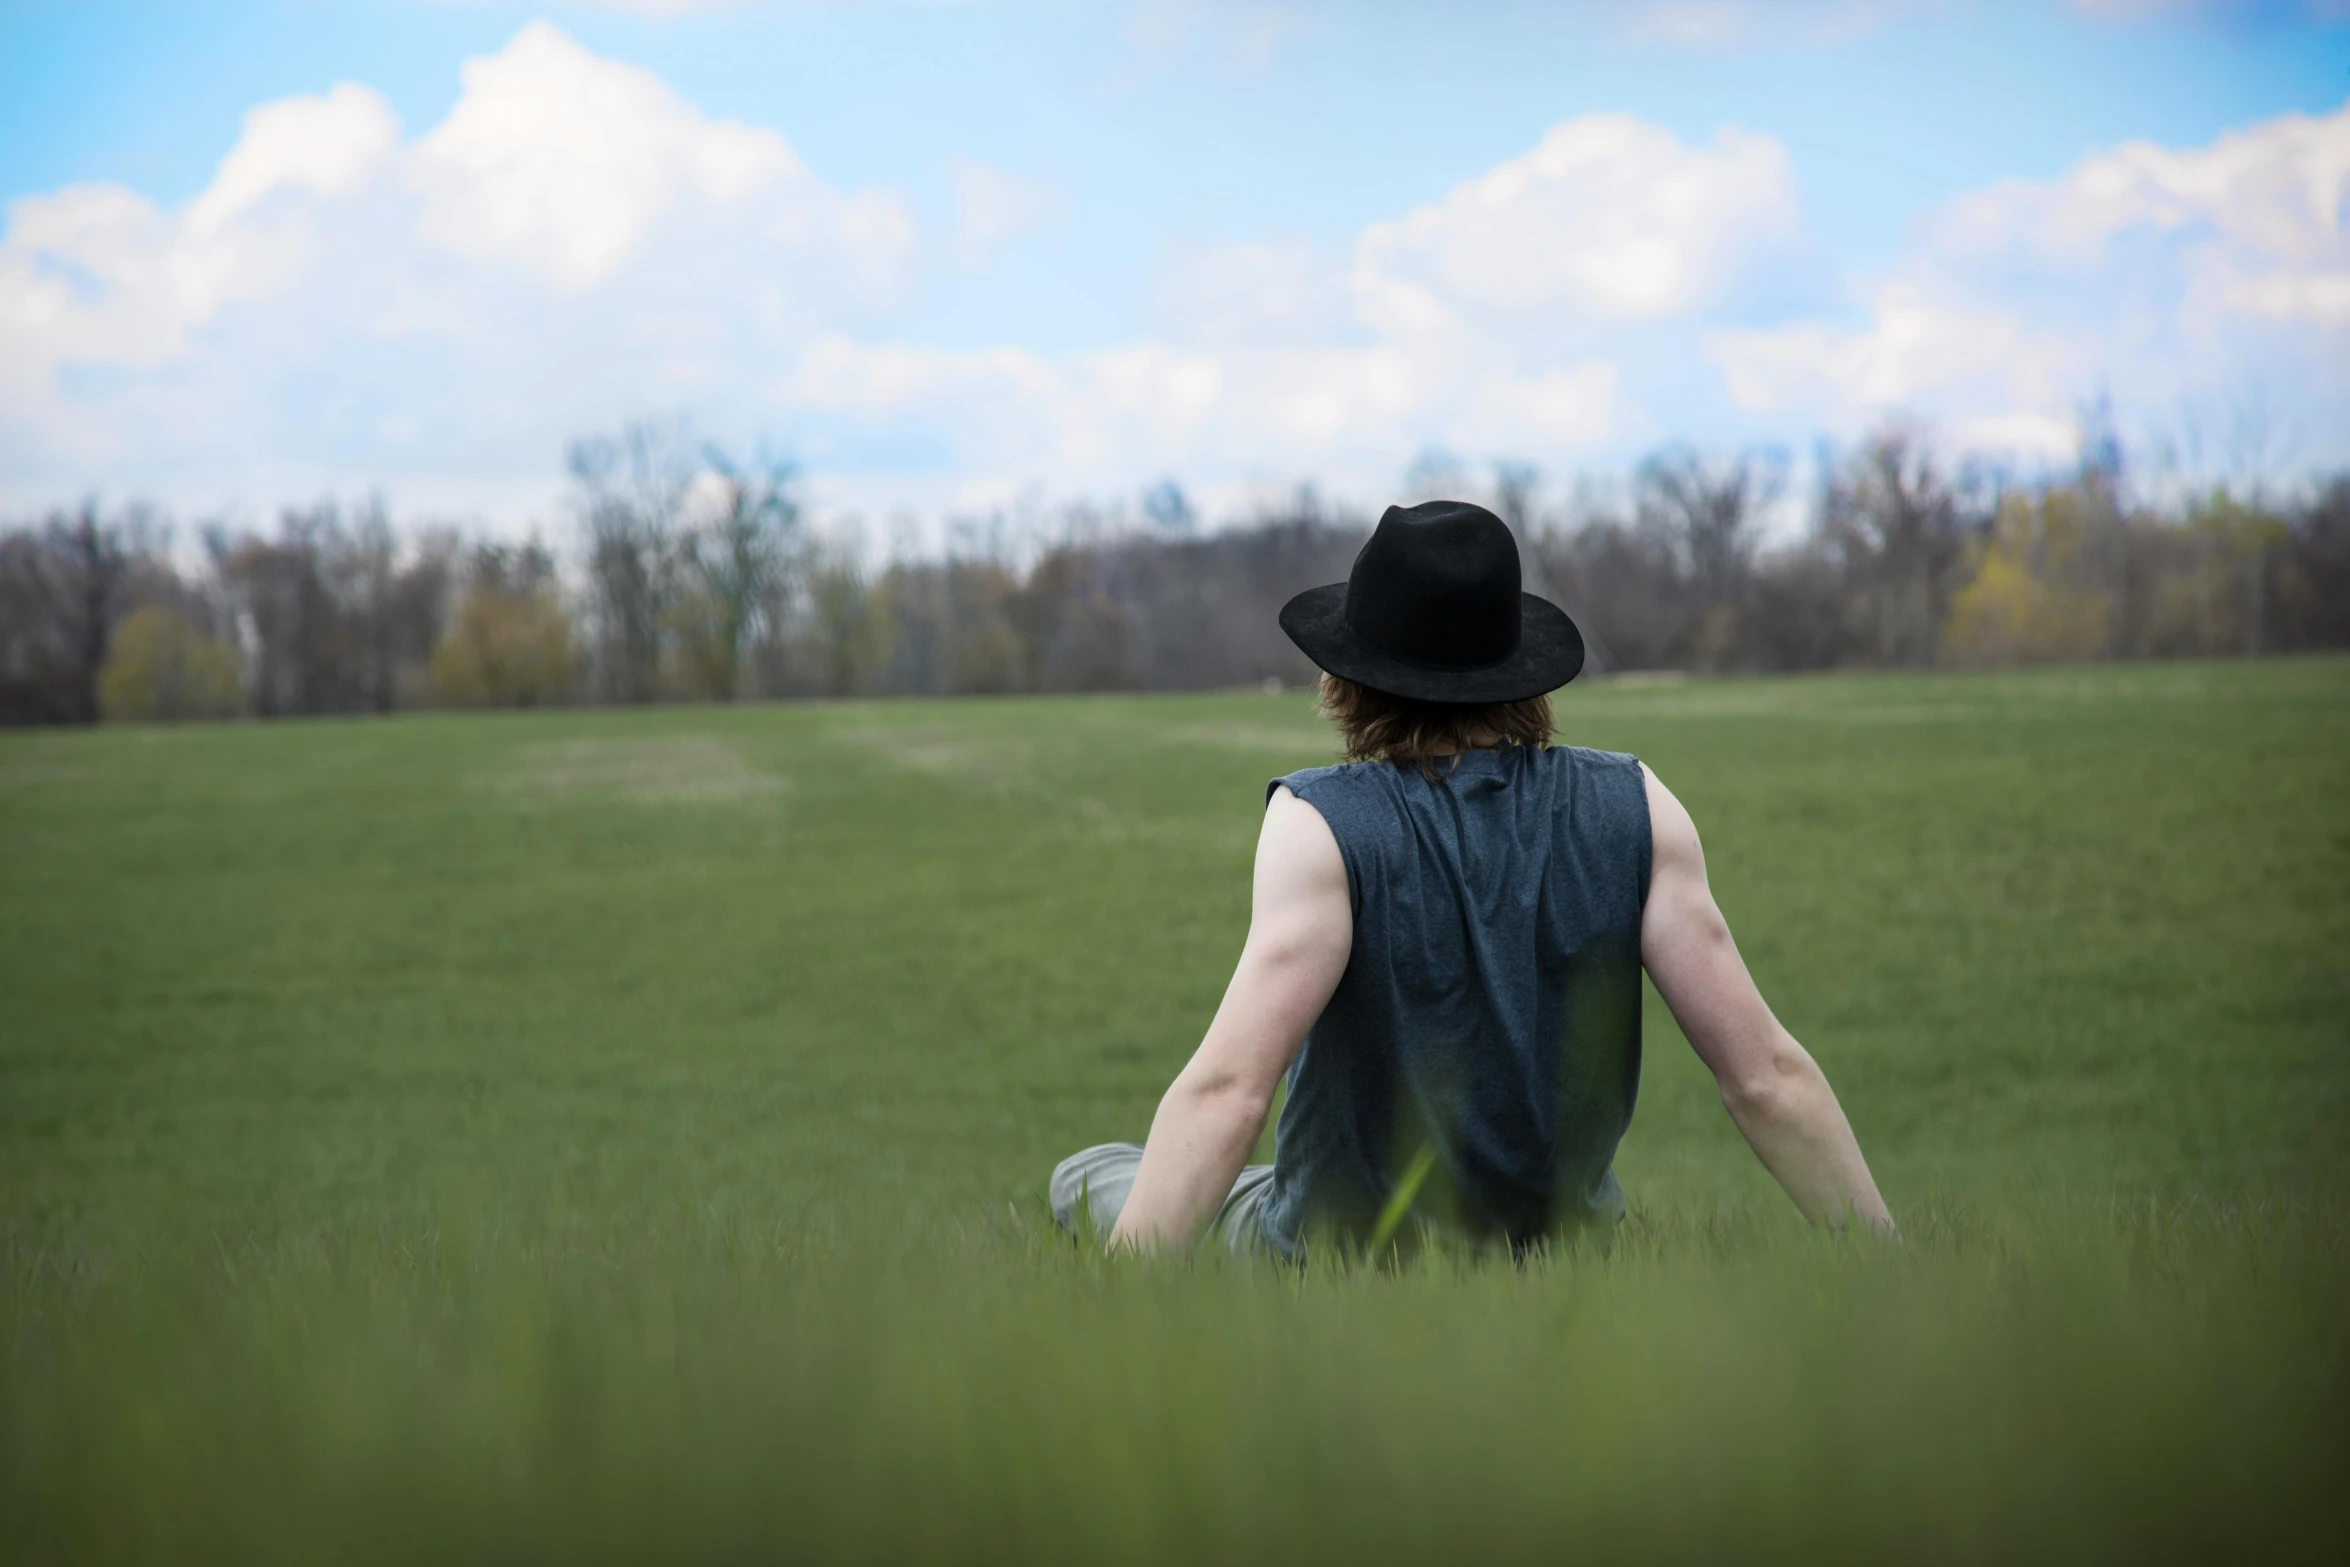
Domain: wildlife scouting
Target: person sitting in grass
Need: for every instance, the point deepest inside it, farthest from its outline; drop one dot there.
(1445, 952)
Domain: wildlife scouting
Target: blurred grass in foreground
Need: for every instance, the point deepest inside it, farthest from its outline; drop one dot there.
(617, 1135)
(2101, 1386)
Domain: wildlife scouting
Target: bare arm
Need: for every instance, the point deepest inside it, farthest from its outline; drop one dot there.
(1771, 1086)
(1300, 932)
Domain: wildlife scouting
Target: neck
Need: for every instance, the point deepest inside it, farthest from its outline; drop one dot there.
(1483, 740)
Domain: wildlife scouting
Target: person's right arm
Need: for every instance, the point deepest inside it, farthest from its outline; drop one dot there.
(1771, 1086)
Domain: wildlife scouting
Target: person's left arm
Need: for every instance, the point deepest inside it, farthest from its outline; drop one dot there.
(1300, 932)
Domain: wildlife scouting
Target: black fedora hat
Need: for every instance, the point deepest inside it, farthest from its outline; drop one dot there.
(1433, 610)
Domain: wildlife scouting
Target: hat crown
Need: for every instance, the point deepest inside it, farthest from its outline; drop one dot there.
(1438, 585)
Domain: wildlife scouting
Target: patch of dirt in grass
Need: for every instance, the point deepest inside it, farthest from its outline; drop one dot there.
(1100, 822)
(1259, 737)
(653, 770)
(32, 772)
(1713, 702)
(940, 753)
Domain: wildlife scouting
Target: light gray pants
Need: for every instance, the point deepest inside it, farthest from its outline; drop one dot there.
(1090, 1188)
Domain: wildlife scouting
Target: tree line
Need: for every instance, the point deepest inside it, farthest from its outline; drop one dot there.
(695, 577)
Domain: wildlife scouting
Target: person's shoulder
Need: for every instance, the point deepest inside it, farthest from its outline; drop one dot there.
(1606, 794)
(1309, 776)
(1576, 769)
(1582, 756)
(1672, 832)
(1339, 777)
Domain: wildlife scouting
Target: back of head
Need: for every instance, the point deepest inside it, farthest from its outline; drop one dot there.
(1380, 726)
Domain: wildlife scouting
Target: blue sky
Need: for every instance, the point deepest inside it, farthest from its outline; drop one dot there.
(951, 254)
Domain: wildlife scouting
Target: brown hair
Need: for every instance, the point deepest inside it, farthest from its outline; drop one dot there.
(1378, 726)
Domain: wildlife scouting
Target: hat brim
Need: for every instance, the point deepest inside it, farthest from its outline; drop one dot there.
(1550, 653)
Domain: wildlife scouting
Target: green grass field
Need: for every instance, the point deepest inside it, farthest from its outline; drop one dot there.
(597, 1135)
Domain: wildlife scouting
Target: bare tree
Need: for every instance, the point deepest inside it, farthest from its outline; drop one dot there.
(699, 576)
(340, 618)
(732, 560)
(2314, 604)
(1074, 631)
(393, 601)
(844, 615)
(1203, 612)
(282, 603)
(629, 489)
(1894, 520)
(1624, 582)
(1711, 509)
(63, 588)
(1516, 485)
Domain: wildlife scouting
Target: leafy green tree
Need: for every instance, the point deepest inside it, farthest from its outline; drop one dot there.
(2234, 544)
(2025, 601)
(507, 646)
(161, 667)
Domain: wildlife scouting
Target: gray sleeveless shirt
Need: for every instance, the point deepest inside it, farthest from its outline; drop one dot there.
(1483, 1046)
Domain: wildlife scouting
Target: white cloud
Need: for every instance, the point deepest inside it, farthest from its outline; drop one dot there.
(1479, 321)
(99, 274)
(2259, 221)
(327, 146)
(573, 244)
(1916, 351)
(2159, 274)
(1607, 219)
(557, 163)
(1256, 292)
(1097, 420)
